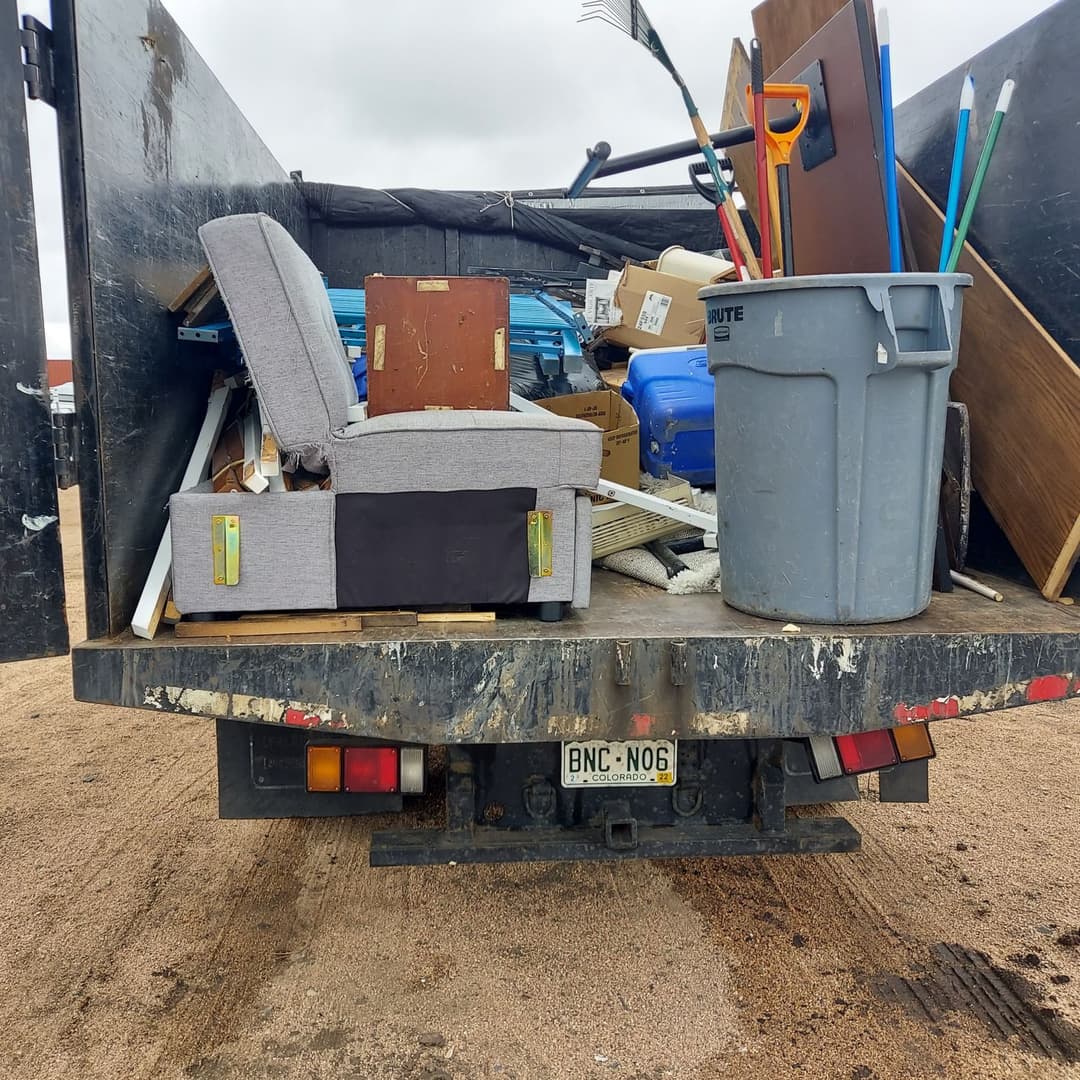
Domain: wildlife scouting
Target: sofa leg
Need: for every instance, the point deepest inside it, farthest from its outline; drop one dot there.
(550, 610)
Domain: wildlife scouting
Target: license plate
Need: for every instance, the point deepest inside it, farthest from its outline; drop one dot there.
(633, 763)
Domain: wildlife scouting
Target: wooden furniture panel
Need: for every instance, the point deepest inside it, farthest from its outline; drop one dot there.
(437, 343)
(1023, 395)
(837, 208)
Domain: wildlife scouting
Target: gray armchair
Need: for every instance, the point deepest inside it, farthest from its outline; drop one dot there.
(424, 508)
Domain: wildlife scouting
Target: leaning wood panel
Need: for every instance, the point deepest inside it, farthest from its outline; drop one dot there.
(736, 114)
(784, 26)
(838, 207)
(1023, 395)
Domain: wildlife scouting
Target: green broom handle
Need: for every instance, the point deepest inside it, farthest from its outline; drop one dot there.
(980, 175)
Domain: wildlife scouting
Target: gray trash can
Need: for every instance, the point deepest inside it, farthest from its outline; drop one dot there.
(831, 394)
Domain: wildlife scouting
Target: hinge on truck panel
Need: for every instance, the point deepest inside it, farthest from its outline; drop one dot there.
(37, 43)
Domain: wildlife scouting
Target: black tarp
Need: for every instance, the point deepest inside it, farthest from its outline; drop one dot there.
(621, 233)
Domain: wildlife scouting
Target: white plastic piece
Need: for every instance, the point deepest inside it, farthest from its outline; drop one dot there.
(966, 582)
(144, 622)
(967, 94)
(38, 521)
(693, 265)
(675, 511)
(357, 412)
(882, 354)
(253, 478)
(1005, 97)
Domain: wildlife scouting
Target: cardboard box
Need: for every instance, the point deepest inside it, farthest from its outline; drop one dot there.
(615, 416)
(657, 310)
(600, 307)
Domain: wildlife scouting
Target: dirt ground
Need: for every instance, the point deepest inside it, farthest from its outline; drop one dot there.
(142, 937)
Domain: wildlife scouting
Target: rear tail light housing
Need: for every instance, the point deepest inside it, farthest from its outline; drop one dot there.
(868, 751)
(372, 770)
(324, 768)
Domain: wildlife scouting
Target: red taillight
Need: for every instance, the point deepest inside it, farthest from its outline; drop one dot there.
(866, 751)
(371, 768)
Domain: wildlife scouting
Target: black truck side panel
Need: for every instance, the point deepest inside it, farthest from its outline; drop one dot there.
(31, 572)
(151, 146)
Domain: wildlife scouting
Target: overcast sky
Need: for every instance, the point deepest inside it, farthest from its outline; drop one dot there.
(476, 93)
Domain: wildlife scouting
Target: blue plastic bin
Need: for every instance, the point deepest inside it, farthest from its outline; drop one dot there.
(674, 395)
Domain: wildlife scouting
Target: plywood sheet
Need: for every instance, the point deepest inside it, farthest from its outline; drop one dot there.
(736, 114)
(784, 26)
(837, 208)
(1023, 395)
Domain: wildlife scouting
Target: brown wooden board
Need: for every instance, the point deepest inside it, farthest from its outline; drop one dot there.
(1023, 395)
(270, 626)
(785, 26)
(837, 208)
(437, 343)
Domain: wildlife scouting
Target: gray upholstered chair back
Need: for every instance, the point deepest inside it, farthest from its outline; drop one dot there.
(285, 326)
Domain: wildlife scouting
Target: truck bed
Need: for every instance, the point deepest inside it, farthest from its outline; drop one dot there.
(639, 662)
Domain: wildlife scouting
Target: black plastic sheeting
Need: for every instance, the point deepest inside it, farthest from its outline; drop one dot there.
(621, 233)
(529, 380)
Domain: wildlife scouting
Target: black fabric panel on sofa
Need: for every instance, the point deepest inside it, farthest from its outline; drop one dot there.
(414, 548)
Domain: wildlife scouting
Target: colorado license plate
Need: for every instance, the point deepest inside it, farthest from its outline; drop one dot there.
(636, 763)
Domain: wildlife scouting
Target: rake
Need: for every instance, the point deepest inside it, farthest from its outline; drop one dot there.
(629, 17)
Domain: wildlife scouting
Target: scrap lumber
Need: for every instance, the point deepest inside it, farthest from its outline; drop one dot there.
(144, 622)
(330, 622)
(206, 306)
(455, 617)
(736, 114)
(1023, 397)
(270, 626)
(195, 285)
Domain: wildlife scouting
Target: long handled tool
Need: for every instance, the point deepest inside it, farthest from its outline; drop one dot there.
(967, 99)
(892, 201)
(778, 145)
(629, 17)
(761, 155)
(980, 173)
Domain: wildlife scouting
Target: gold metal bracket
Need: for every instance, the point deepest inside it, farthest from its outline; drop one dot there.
(540, 543)
(225, 533)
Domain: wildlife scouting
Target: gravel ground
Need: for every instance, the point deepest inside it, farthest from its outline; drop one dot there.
(142, 937)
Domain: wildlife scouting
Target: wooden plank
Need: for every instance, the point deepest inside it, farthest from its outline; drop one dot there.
(455, 617)
(373, 619)
(736, 114)
(1027, 224)
(198, 282)
(1023, 395)
(205, 307)
(838, 207)
(271, 626)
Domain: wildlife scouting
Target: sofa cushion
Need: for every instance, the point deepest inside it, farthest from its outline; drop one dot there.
(455, 450)
(285, 326)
